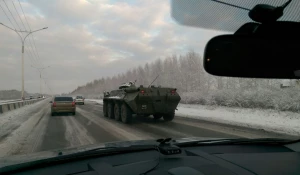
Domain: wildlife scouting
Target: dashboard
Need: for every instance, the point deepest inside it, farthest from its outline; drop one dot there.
(249, 159)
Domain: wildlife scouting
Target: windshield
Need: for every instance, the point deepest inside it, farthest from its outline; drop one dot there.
(139, 71)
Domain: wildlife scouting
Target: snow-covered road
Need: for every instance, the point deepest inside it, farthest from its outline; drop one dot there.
(268, 120)
(31, 129)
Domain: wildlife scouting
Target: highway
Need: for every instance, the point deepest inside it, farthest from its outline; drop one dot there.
(34, 129)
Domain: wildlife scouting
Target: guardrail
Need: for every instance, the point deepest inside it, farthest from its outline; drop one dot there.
(10, 105)
(9, 101)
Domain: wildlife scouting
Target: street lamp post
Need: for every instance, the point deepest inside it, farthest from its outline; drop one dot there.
(23, 41)
(40, 69)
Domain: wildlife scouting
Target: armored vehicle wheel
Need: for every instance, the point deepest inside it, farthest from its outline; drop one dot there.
(126, 114)
(105, 109)
(169, 117)
(117, 112)
(157, 116)
(110, 110)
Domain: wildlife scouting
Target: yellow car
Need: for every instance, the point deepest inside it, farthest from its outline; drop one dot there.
(63, 105)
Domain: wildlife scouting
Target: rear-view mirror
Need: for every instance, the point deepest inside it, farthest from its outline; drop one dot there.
(253, 56)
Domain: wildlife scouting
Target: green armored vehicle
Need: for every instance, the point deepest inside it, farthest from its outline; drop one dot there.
(143, 101)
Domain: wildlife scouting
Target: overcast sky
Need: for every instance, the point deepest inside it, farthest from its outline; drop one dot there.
(89, 39)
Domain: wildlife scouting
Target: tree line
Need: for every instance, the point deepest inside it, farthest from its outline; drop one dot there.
(195, 86)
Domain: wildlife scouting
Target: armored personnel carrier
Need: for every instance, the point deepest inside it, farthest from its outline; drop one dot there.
(121, 104)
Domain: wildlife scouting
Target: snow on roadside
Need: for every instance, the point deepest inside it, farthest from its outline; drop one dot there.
(99, 101)
(11, 116)
(18, 128)
(268, 120)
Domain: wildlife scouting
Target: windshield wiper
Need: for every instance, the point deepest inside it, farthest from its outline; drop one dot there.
(238, 141)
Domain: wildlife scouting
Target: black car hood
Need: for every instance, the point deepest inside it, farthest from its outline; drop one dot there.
(18, 159)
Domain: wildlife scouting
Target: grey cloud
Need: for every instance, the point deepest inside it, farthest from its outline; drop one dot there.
(90, 41)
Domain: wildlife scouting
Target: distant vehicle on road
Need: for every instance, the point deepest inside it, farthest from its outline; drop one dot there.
(79, 100)
(144, 101)
(63, 105)
(31, 97)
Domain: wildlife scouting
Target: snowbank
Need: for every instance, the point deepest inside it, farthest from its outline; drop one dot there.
(99, 101)
(269, 120)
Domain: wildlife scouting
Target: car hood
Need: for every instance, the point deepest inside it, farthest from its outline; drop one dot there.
(18, 159)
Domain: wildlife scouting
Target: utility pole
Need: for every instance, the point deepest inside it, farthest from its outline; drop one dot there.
(49, 89)
(23, 41)
(40, 69)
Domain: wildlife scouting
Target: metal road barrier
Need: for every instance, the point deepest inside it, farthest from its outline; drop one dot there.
(9, 105)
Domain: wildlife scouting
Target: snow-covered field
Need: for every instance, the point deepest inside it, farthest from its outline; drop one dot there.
(99, 101)
(269, 120)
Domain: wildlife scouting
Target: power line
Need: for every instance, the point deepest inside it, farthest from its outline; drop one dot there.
(11, 14)
(18, 15)
(7, 17)
(31, 45)
(35, 53)
(30, 30)
(35, 49)
(35, 46)
(48, 86)
(33, 60)
(24, 15)
(31, 57)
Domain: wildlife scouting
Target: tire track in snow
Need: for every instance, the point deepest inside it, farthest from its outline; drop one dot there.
(35, 139)
(159, 128)
(54, 137)
(162, 129)
(117, 129)
(76, 134)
